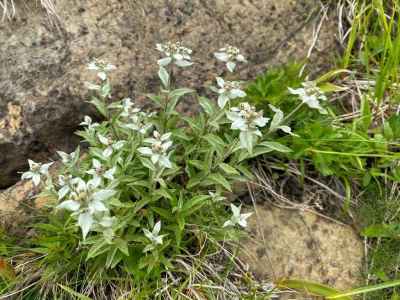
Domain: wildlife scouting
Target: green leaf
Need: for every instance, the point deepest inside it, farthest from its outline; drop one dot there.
(275, 146)
(365, 289)
(216, 142)
(97, 249)
(122, 245)
(73, 293)
(100, 106)
(164, 77)
(382, 230)
(217, 178)
(174, 97)
(207, 105)
(310, 288)
(228, 169)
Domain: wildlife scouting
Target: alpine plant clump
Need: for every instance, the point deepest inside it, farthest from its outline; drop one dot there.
(151, 184)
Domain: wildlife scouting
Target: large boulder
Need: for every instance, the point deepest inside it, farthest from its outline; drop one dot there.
(297, 244)
(43, 58)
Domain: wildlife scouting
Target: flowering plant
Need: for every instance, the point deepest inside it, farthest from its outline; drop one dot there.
(151, 184)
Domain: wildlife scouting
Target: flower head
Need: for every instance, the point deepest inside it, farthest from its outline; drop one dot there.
(158, 151)
(228, 90)
(230, 55)
(310, 94)
(237, 218)
(87, 121)
(99, 172)
(110, 144)
(175, 53)
(101, 67)
(246, 119)
(36, 171)
(154, 237)
(86, 200)
(68, 158)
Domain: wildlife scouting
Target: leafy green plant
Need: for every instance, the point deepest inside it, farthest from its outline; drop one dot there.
(151, 185)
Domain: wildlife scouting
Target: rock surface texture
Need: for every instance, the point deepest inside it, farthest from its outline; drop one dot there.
(42, 59)
(301, 245)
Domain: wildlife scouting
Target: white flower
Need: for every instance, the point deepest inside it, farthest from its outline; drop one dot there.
(277, 120)
(230, 55)
(175, 53)
(101, 67)
(36, 170)
(154, 236)
(87, 121)
(158, 151)
(247, 120)
(111, 145)
(86, 201)
(310, 94)
(228, 90)
(237, 218)
(98, 172)
(128, 108)
(68, 158)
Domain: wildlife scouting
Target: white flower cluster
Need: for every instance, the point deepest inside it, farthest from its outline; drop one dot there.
(158, 150)
(101, 67)
(237, 218)
(246, 119)
(311, 95)
(136, 118)
(228, 90)
(154, 237)
(110, 143)
(87, 201)
(175, 53)
(230, 55)
(36, 171)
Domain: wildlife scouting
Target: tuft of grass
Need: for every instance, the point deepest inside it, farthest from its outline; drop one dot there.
(9, 8)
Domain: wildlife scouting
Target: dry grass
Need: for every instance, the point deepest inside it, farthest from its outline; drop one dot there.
(9, 8)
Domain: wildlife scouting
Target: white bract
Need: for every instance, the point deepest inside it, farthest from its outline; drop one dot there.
(110, 144)
(277, 119)
(154, 237)
(237, 218)
(36, 170)
(128, 108)
(68, 158)
(311, 95)
(101, 67)
(227, 90)
(87, 121)
(86, 201)
(230, 55)
(99, 172)
(246, 119)
(158, 152)
(175, 53)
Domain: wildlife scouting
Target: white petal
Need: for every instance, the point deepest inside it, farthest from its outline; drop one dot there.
(32, 164)
(145, 151)
(261, 121)
(27, 175)
(222, 100)
(63, 191)
(96, 163)
(110, 173)
(69, 205)
(102, 139)
(155, 158)
(228, 223)
(85, 221)
(97, 206)
(236, 93)
(220, 82)
(107, 152)
(183, 63)
(157, 228)
(166, 136)
(148, 234)
(164, 61)
(222, 56)
(240, 58)
(246, 140)
(296, 91)
(235, 210)
(165, 162)
(102, 75)
(92, 86)
(103, 195)
(44, 169)
(36, 179)
(230, 65)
